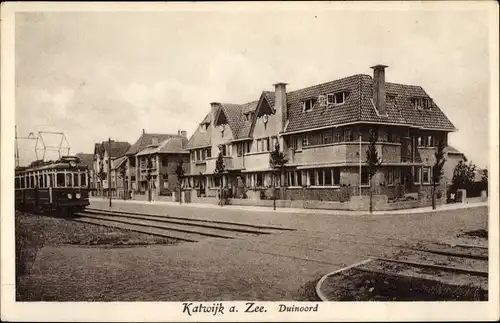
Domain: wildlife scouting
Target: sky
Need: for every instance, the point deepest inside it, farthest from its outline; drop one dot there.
(95, 75)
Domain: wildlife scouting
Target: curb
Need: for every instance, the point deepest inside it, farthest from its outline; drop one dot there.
(320, 294)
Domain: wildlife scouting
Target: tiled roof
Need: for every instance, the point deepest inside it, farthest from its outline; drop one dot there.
(359, 107)
(199, 138)
(452, 150)
(118, 148)
(174, 145)
(146, 139)
(87, 159)
(117, 162)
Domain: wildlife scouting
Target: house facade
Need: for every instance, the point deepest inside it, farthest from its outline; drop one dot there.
(324, 132)
(104, 153)
(156, 156)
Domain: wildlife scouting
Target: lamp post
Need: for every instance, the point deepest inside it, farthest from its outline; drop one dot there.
(109, 171)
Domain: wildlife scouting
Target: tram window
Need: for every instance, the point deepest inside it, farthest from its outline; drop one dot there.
(83, 180)
(60, 180)
(16, 183)
(22, 182)
(45, 180)
(69, 178)
(32, 183)
(40, 181)
(75, 179)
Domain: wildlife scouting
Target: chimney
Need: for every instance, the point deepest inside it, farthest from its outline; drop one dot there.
(379, 88)
(143, 131)
(182, 133)
(280, 103)
(214, 107)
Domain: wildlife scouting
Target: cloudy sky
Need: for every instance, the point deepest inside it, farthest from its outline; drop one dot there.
(96, 75)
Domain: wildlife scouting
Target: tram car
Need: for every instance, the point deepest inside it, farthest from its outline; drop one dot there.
(56, 186)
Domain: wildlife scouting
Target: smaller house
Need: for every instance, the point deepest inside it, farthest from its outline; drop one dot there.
(102, 152)
(155, 156)
(88, 160)
(453, 156)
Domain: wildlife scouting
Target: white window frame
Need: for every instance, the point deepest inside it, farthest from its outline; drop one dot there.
(305, 141)
(419, 173)
(306, 103)
(428, 169)
(330, 96)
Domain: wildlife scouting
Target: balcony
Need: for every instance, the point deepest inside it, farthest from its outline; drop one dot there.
(343, 153)
(229, 163)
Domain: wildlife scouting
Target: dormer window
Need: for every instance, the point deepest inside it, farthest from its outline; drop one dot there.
(427, 103)
(417, 103)
(308, 105)
(247, 116)
(203, 127)
(336, 98)
(154, 141)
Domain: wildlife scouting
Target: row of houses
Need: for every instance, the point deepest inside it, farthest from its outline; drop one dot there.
(322, 129)
(156, 155)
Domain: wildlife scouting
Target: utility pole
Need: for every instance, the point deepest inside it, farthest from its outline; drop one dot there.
(109, 171)
(17, 149)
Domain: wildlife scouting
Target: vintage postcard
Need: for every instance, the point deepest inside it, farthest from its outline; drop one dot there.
(246, 161)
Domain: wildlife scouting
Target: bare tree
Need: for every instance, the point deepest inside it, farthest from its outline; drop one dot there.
(437, 170)
(180, 172)
(219, 171)
(373, 161)
(277, 160)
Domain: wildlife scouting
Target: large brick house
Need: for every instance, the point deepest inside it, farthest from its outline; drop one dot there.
(161, 152)
(324, 131)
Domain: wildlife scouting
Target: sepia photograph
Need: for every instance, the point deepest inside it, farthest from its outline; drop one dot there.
(250, 161)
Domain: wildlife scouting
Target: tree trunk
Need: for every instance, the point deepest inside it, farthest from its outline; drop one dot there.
(274, 191)
(180, 194)
(149, 190)
(371, 197)
(220, 193)
(433, 196)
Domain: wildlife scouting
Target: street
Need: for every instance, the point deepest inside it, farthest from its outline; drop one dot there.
(263, 267)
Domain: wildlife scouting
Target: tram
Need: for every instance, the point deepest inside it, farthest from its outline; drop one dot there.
(56, 186)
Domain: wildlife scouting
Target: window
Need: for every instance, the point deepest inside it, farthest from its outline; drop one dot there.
(222, 132)
(75, 180)
(132, 162)
(164, 161)
(40, 181)
(259, 180)
(427, 104)
(209, 152)
(390, 175)
(429, 141)
(224, 150)
(60, 180)
(336, 98)
(419, 141)
(337, 136)
(267, 144)
(348, 135)
(69, 180)
(312, 177)
(327, 137)
(291, 178)
(417, 103)
(365, 178)
(339, 98)
(83, 179)
(299, 177)
(305, 141)
(328, 176)
(22, 182)
(274, 142)
(416, 174)
(308, 105)
(330, 98)
(248, 147)
(239, 149)
(320, 175)
(390, 138)
(426, 175)
(336, 176)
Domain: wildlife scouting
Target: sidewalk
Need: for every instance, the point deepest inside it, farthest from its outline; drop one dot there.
(439, 208)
